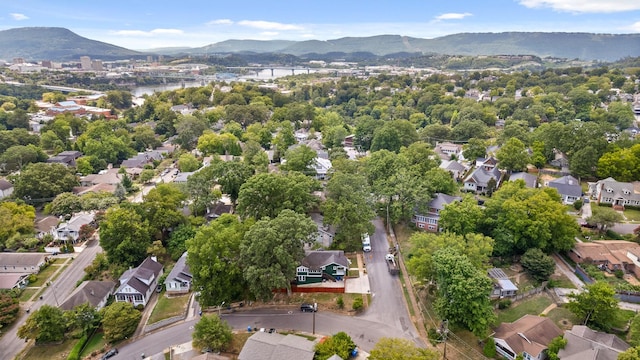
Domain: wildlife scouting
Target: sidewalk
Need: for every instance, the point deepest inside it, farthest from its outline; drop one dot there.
(361, 284)
(145, 315)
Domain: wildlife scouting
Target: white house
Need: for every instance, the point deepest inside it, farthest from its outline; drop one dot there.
(6, 188)
(137, 285)
(71, 229)
(179, 279)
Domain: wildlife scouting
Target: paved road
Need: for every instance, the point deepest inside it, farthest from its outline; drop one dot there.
(388, 304)
(55, 294)
(365, 333)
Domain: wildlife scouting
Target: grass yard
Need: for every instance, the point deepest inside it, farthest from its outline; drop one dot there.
(563, 318)
(27, 294)
(561, 281)
(533, 305)
(46, 352)
(58, 261)
(632, 215)
(44, 275)
(96, 343)
(622, 318)
(168, 307)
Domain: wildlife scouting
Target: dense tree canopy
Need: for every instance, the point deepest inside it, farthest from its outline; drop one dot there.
(211, 333)
(41, 182)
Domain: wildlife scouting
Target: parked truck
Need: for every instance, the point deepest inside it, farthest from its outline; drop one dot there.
(392, 263)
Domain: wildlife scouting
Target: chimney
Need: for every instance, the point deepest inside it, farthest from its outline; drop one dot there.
(154, 258)
(92, 293)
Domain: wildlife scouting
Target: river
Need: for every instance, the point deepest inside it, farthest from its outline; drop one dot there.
(264, 75)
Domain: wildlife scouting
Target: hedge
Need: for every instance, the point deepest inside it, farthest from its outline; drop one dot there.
(75, 352)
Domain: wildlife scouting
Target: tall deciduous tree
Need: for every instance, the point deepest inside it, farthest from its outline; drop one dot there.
(300, 159)
(44, 325)
(66, 203)
(214, 259)
(42, 182)
(339, 344)
(231, 175)
(400, 349)
(461, 217)
(15, 219)
(188, 163)
(124, 236)
(595, 306)
(268, 194)
(513, 156)
(537, 264)
(212, 333)
(604, 218)
(348, 208)
(272, 250)
(9, 308)
(162, 209)
(463, 292)
(119, 321)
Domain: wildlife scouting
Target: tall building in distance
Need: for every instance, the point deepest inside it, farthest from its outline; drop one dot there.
(85, 62)
(97, 65)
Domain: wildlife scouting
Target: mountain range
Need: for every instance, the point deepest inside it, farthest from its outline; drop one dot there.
(60, 44)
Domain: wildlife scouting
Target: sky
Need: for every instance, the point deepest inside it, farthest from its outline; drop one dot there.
(138, 24)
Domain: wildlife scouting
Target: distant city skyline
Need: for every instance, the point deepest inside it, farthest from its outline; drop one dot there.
(140, 25)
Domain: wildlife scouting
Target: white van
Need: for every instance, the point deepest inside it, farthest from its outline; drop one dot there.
(366, 243)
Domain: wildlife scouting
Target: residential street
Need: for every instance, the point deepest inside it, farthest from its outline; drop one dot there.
(56, 293)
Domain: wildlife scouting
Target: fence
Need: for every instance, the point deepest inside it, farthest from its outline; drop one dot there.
(162, 323)
(582, 274)
(525, 294)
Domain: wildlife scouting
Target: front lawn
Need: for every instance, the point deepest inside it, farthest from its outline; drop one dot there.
(632, 215)
(44, 275)
(533, 305)
(169, 307)
(96, 343)
(27, 294)
(46, 352)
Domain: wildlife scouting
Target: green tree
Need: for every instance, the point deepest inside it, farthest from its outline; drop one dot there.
(463, 292)
(146, 176)
(633, 336)
(15, 220)
(119, 321)
(178, 239)
(272, 250)
(595, 306)
(557, 344)
(400, 349)
(270, 193)
(9, 309)
(300, 159)
(42, 182)
(16, 157)
(188, 163)
(214, 260)
(489, 349)
(200, 188)
(210, 332)
(513, 156)
(124, 236)
(44, 325)
(632, 353)
(348, 207)
(161, 209)
(537, 264)
(231, 175)
(604, 218)
(339, 344)
(84, 317)
(622, 164)
(475, 148)
(66, 203)
(461, 217)
(188, 129)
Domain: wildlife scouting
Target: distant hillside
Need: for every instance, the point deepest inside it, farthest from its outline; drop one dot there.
(60, 44)
(585, 46)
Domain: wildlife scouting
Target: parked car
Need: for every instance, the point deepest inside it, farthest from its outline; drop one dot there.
(109, 354)
(308, 308)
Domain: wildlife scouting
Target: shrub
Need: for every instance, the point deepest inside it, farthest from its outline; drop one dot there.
(489, 349)
(340, 302)
(504, 304)
(619, 273)
(140, 307)
(577, 204)
(75, 352)
(358, 304)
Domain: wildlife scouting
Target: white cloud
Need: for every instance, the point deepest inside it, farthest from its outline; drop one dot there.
(220, 22)
(635, 27)
(584, 6)
(453, 16)
(308, 36)
(269, 33)
(269, 25)
(148, 33)
(18, 17)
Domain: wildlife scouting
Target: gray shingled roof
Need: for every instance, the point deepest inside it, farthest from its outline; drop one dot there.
(586, 344)
(529, 179)
(319, 259)
(274, 346)
(180, 270)
(440, 200)
(482, 176)
(145, 271)
(92, 292)
(567, 185)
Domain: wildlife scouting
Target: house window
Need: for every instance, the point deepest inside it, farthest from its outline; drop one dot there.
(421, 226)
(302, 278)
(431, 227)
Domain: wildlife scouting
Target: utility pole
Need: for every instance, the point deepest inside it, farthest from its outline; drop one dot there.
(444, 332)
(315, 308)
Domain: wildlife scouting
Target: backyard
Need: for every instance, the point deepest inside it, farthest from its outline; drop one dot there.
(168, 307)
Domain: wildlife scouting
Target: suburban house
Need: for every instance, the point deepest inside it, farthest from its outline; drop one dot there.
(22, 263)
(610, 255)
(94, 293)
(13, 281)
(618, 194)
(478, 181)
(325, 232)
(46, 225)
(67, 158)
(429, 220)
(502, 286)
(274, 346)
(179, 279)
(142, 159)
(568, 187)
(560, 160)
(530, 335)
(321, 167)
(530, 180)
(586, 344)
(456, 169)
(70, 230)
(137, 285)
(109, 176)
(6, 188)
(448, 150)
(320, 265)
